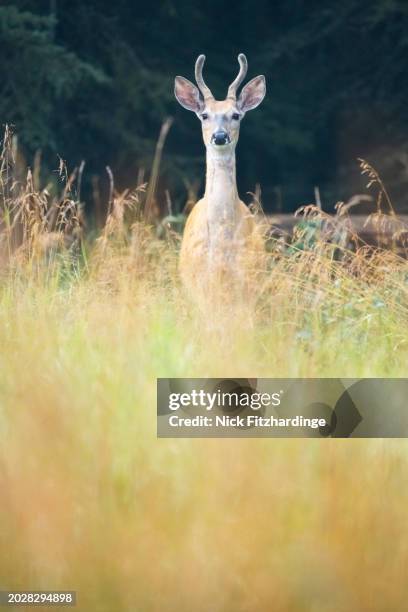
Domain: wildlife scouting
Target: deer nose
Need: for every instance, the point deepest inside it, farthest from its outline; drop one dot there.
(220, 137)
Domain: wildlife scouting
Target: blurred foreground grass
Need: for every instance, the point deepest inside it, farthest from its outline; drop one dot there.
(92, 501)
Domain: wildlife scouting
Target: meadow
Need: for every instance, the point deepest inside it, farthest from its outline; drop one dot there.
(92, 501)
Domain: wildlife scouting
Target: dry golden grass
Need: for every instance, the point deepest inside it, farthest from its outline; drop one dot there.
(92, 501)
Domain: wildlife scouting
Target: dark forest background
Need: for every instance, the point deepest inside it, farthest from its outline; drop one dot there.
(93, 81)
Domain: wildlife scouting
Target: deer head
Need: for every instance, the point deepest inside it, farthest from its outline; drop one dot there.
(220, 120)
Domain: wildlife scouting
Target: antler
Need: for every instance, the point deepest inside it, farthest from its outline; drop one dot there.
(243, 68)
(206, 91)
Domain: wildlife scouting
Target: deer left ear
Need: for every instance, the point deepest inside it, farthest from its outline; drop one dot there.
(252, 94)
(187, 94)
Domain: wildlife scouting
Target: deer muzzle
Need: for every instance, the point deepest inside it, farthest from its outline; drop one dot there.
(220, 138)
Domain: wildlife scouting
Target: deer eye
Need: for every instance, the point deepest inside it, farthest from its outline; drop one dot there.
(236, 116)
(204, 116)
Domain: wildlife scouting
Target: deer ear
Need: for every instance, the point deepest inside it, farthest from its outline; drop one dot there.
(187, 94)
(252, 94)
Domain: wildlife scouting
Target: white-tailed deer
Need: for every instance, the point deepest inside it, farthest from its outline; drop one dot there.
(220, 231)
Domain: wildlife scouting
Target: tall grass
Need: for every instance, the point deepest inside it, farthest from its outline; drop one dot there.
(92, 501)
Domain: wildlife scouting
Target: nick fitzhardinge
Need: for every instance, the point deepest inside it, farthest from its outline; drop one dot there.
(253, 420)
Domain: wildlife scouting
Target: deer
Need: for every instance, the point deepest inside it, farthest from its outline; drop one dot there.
(220, 233)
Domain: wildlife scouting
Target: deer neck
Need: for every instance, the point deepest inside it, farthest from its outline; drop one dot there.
(221, 194)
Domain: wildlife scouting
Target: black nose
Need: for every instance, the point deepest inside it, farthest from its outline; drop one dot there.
(220, 138)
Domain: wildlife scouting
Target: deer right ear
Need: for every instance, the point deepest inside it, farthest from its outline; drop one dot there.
(252, 94)
(187, 94)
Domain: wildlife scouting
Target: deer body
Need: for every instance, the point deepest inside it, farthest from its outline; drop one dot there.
(220, 232)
